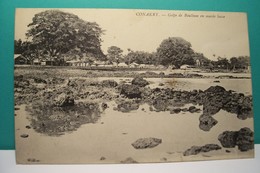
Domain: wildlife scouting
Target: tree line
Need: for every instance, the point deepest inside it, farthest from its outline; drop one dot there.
(58, 36)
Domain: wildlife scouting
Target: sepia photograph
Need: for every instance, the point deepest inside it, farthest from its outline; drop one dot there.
(99, 86)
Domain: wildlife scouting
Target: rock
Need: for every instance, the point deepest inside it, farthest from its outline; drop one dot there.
(215, 89)
(193, 109)
(127, 106)
(39, 80)
(109, 83)
(161, 84)
(216, 81)
(139, 81)
(207, 122)
(24, 135)
(175, 111)
(130, 91)
(104, 106)
(228, 139)
(164, 159)
(102, 158)
(228, 151)
(184, 109)
(244, 139)
(28, 127)
(160, 104)
(194, 150)
(63, 100)
(161, 74)
(143, 143)
(129, 160)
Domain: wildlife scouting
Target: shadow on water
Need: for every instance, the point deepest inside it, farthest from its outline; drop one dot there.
(56, 121)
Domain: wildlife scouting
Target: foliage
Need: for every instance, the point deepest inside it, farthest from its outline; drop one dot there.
(175, 51)
(55, 33)
(140, 57)
(114, 54)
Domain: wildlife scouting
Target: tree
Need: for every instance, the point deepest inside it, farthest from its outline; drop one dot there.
(223, 63)
(114, 54)
(55, 33)
(18, 46)
(244, 61)
(175, 51)
(140, 57)
(234, 63)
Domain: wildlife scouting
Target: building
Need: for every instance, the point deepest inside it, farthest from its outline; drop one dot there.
(20, 59)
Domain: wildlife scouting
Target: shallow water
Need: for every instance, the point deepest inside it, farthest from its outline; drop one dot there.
(113, 133)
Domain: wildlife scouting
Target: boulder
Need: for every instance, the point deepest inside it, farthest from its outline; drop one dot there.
(193, 109)
(127, 106)
(130, 91)
(244, 139)
(63, 100)
(207, 122)
(139, 81)
(24, 135)
(160, 104)
(39, 80)
(144, 143)
(109, 83)
(215, 89)
(194, 150)
(129, 160)
(175, 111)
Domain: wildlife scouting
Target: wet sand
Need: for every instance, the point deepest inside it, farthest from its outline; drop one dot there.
(112, 135)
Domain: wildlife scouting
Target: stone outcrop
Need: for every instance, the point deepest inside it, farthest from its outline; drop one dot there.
(244, 139)
(194, 150)
(139, 81)
(144, 143)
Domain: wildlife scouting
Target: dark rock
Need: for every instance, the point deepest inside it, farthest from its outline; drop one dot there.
(102, 158)
(228, 151)
(194, 150)
(244, 139)
(63, 100)
(109, 83)
(193, 109)
(28, 127)
(207, 122)
(127, 106)
(184, 109)
(39, 80)
(104, 106)
(216, 81)
(24, 135)
(215, 89)
(161, 84)
(143, 143)
(16, 109)
(139, 81)
(160, 104)
(130, 91)
(129, 160)
(175, 111)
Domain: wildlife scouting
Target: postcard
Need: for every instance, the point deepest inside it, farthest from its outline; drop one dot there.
(131, 86)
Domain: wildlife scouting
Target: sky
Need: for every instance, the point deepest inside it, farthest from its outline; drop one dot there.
(211, 33)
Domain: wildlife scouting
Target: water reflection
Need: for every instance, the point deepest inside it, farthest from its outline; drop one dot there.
(55, 121)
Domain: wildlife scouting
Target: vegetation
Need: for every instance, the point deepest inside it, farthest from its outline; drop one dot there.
(57, 37)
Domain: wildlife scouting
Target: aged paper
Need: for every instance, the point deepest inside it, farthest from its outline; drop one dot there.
(131, 86)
